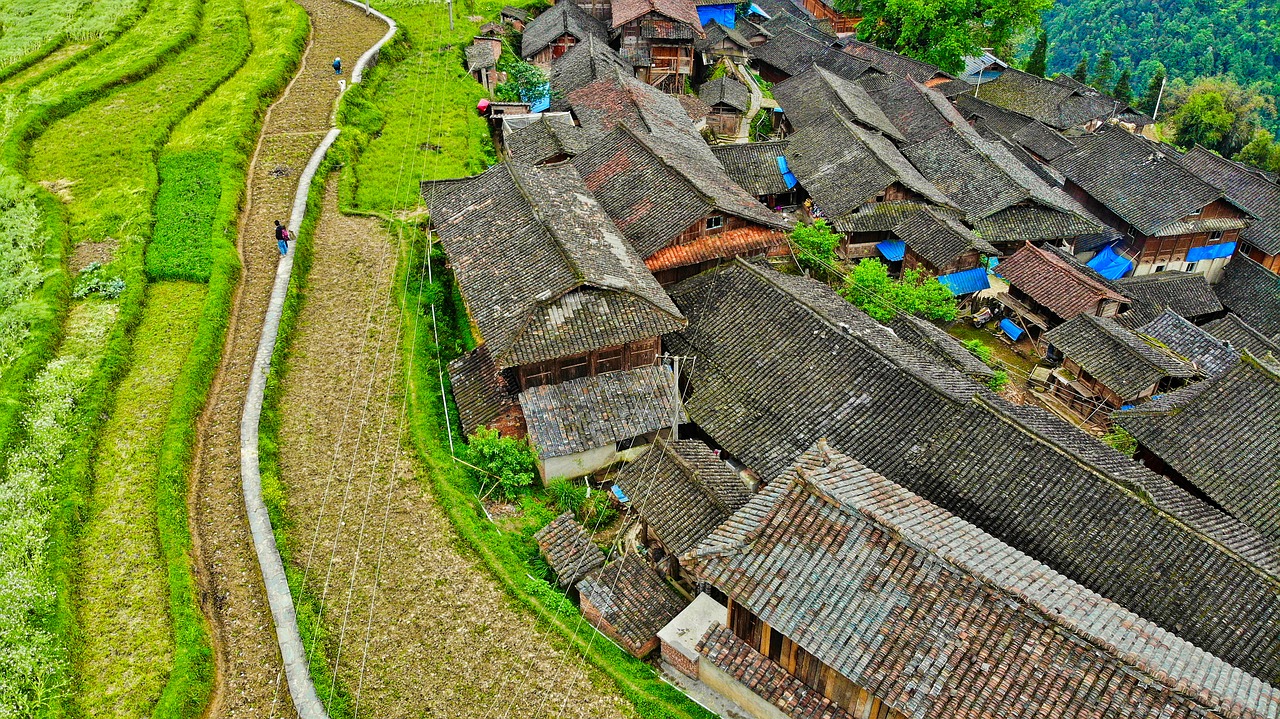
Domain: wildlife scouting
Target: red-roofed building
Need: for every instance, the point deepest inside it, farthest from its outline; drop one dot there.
(676, 262)
(1047, 288)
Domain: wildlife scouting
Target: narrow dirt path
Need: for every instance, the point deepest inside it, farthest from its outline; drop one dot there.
(442, 640)
(232, 594)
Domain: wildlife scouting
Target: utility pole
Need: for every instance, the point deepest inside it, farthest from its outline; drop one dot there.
(675, 390)
(1159, 96)
(450, 15)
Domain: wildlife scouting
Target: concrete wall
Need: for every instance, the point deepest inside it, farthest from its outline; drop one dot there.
(735, 691)
(578, 464)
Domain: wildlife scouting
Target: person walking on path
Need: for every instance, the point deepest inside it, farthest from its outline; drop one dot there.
(282, 238)
(337, 66)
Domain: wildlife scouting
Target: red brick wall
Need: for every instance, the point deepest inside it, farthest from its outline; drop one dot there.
(678, 660)
(592, 615)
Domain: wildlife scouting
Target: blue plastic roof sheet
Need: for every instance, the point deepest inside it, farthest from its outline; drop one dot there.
(725, 14)
(1211, 252)
(893, 250)
(962, 283)
(787, 175)
(1009, 328)
(1109, 264)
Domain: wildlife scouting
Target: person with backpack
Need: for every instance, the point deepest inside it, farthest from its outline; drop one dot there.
(282, 238)
(337, 66)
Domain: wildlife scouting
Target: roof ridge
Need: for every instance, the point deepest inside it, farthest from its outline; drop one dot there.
(693, 473)
(1122, 336)
(569, 261)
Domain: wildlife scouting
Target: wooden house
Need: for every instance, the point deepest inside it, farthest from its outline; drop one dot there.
(940, 245)
(1105, 363)
(681, 491)
(1170, 218)
(516, 17)
(1186, 293)
(482, 61)
(791, 52)
(721, 42)
(1048, 287)
(930, 600)
(1253, 190)
(530, 248)
(1252, 292)
(729, 101)
(551, 34)
(657, 37)
(761, 169)
(673, 200)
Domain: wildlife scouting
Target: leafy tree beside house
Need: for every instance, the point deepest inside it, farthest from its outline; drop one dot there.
(1262, 152)
(919, 293)
(815, 245)
(525, 83)
(504, 466)
(1122, 92)
(1203, 120)
(1218, 112)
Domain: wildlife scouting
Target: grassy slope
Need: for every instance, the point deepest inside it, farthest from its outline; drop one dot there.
(381, 119)
(126, 647)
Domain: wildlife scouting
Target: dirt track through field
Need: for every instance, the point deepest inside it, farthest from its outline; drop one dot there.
(248, 661)
(443, 639)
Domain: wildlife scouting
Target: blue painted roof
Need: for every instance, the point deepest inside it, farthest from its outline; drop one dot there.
(539, 98)
(787, 175)
(725, 14)
(1109, 264)
(962, 283)
(1211, 252)
(893, 250)
(1011, 329)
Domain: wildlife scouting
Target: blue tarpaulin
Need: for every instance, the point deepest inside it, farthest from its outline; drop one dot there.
(962, 283)
(722, 14)
(787, 175)
(539, 99)
(1211, 252)
(756, 9)
(1011, 329)
(617, 492)
(892, 249)
(1109, 264)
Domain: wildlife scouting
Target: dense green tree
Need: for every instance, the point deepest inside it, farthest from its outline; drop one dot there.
(1039, 55)
(1147, 103)
(1203, 120)
(1244, 36)
(815, 245)
(500, 465)
(1081, 73)
(942, 32)
(1249, 107)
(1122, 92)
(1104, 74)
(869, 287)
(525, 83)
(1262, 152)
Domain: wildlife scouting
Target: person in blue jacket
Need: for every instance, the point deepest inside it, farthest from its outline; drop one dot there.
(282, 238)
(337, 66)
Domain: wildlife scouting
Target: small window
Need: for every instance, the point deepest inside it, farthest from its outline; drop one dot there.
(1215, 235)
(715, 222)
(1160, 268)
(1191, 267)
(574, 368)
(609, 360)
(1197, 212)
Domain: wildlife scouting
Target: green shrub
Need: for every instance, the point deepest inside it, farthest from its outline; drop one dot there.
(999, 379)
(979, 350)
(93, 279)
(506, 466)
(870, 288)
(190, 192)
(598, 510)
(567, 495)
(1119, 439)
(815, 245)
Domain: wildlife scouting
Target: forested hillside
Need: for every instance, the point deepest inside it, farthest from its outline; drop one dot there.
(1191, 38)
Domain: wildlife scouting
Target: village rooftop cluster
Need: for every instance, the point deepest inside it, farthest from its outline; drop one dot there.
(831, 516)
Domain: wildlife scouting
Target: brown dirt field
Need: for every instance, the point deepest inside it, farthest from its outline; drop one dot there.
(247, 657)
(443, 640)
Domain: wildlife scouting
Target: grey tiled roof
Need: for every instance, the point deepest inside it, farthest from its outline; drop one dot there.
(905, 102)
(1031, 134)
(1244, 337)
(587, 62)
(940, 619)
(1222, 436)
(934, 342)
(793, 52)
(754, 165)
(717, 32)
(632, 598)
(1135, 180)
(1210, 354)
(1248, 188)
(844, 166)
(876, 216)
(568, 550)
(809, 97)
(480, 56)
(591, 412)
(480, 392)
(544, 139)
(656, 185)
(556, 21)
(939, 238)
(1121, 360)
(727, 91)
(783, 361)
(1187, 293)
(543, 270)
(682, 491)
(1056, 104)
(1252, 292)
(891, 63)
(984, 178)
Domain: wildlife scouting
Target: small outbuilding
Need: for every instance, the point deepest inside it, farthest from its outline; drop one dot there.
(568, 550)
(628, 601)
(1105, 363)
(729, 100)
